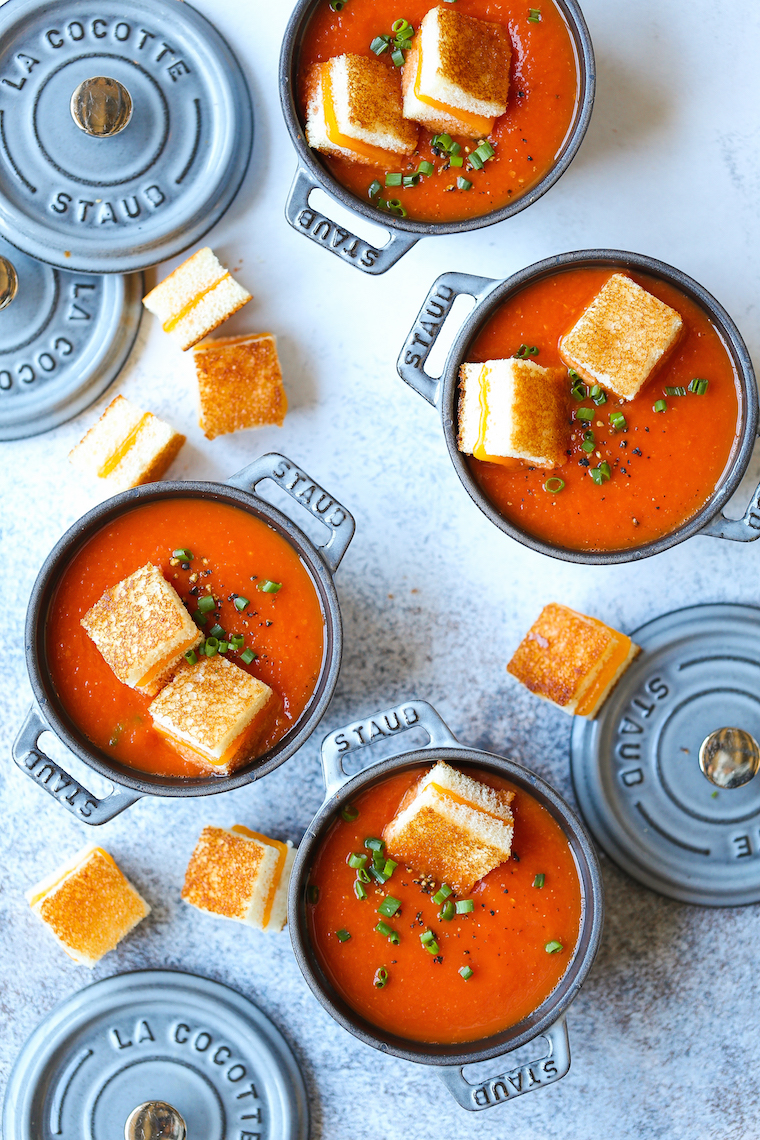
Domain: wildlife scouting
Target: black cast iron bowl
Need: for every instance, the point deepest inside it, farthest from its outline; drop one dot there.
(548, 1021)
(48, 713)
(404, 233)
(489, 294)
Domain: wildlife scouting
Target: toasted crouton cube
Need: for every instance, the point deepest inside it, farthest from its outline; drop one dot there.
(621, 337)
(452, 827)
(571, 660)
(215, 714)
(513, 409)
(142, 629)
(239, 384)
(127, 447)
(240, 874)
(354, 111)
(196, 298)
(456, 75)
(88, 905)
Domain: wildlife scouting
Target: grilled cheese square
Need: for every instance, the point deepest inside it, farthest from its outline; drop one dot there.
(621, 337)
(240, 874)
(452, 827)
(353, 110)
(456, 75)
(196, 298)
(513, 409)
(239, 384)
(127, 447)
(215, 713)
(142, 629)
(571, 660)
(88, 905)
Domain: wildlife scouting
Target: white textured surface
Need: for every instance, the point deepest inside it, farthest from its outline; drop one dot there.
(434, 598)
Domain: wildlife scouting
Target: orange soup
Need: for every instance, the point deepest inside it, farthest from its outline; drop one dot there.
(503, 940)
(664, 464)
(232, 552)
(543, 94)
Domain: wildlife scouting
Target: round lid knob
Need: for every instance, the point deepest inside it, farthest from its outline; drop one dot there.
(8, 282)
(729, 757)
(155, 1120)
(101, 107)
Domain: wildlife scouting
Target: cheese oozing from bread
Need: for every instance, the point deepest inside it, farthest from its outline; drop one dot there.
(571, 660)
(452, 827)
(127, 447)
(621, 338)
(456, 74)
(88, 905)
(240, 874)
(354, 111)
(196, 298)
(142, 629)
(239, 384)
(513, 409)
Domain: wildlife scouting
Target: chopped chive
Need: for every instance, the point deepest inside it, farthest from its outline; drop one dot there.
(248, 656)
(604, 467)
(237, 641)
(241, 603)
(432, 947)
(597, 395)
(342, 935)
(191, 656)
(206, 604)
(389, 868)
(211, 647)
(389, 906)
(444, 141)
(379, 45)
(374, 189)
(199, 618)
(588, 446)
(394, 938)
(349, 813)
(698, 387)
(539, 881)
(617, 421)
(442, 893)
(185, 555)
(337, 5)
(355, 860)
(394, 207)
(426, 937)
(410, 180)
(466, 972)
(268, 587)
(485, 150)
(455, 149)
(399, 25)
(216, 631)
(377, 875)
(677, 391)
(375, 844)
(526, 350)
(393, 179)
(425, 167)
(573, 374)
(312, 893)
(380, 979)
(659, 406)
(359, 890)
(384, 928)
(600, 474)
(553, 947)
(554, 485)
(362, 875)
(578, 389)
(465, 906)
(398, 57)
(223, 646)
(448, 910)
(475, 161)
(456, 161)
(464, 183)
(585, 414)
(534, 16)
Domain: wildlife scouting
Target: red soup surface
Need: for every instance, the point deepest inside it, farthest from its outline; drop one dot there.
(543, 94)
(232, 551)
(503, 940)
(664, 465)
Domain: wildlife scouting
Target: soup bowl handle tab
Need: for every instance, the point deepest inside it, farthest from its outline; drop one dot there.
(307, 494)
(430, 320)
(745, 529)
(58, 783)
(527, 1077)
(320, 229)
(392, 722)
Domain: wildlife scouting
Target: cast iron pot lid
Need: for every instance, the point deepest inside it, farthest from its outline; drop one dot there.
(120, 203)
(64, 337)
(156, 1035)
(636, 767)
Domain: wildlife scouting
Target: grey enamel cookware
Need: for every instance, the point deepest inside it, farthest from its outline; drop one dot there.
(403, 233)
(239, 491)
(552, 1059)
(489, 294)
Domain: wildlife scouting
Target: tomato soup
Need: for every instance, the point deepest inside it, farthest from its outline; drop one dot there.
(232, 551)
(503, 941)
(543, 96)
(664, 465)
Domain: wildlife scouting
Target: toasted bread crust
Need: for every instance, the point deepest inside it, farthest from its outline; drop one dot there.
(239, 384)
(222, 874)
(475, 54)
(375, 100)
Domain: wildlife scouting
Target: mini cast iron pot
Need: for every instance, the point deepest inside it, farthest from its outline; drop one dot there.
(548, 1021)
(48, 713)
(489, 295)
(404, 233)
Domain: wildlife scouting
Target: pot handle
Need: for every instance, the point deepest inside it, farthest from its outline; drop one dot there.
(745, 529)
(409, 714)
(58, 783)
(334, 238)
(430, 320)
(553, 1066)
(311, 496)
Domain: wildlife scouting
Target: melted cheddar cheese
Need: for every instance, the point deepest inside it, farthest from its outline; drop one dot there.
(479, 125)
(282, 849)
(606, 673)
(375, 154)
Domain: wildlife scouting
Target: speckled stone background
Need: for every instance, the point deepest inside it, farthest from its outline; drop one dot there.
(664, 1034)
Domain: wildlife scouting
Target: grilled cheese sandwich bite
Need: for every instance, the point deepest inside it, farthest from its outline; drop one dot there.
(196, 298)
(354, 111)
(215, 713)
(240, 874)
(456, 75)
(142, 629)
(88, 905)
(621, 337)
(239, 384)
(127, 447)
(513, 409)
(452, 827)
(571, 660)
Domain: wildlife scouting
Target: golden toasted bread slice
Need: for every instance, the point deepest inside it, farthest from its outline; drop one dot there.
(196, 298)
(142, 629)
(239, 384)
(572, 660)
(127, 447)
(620, 339)
(88, 905)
